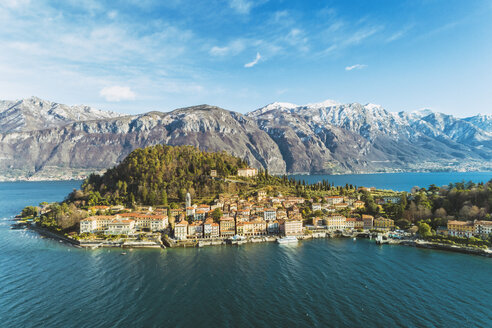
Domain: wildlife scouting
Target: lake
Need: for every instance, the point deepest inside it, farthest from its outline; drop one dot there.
(324, 282)
(398, 181)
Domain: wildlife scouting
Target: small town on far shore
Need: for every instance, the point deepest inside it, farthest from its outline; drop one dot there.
(263, 216)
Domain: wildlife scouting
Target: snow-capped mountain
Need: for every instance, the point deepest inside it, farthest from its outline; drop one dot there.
(483, 122)
(375, 138)
(43, 139)
(36, 114)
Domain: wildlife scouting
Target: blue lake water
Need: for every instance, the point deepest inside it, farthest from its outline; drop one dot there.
(335, 283)
(399, 181)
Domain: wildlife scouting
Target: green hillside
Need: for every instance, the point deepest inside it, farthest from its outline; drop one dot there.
(158, 174)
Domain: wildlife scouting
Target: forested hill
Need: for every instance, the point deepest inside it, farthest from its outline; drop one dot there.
(155, 174)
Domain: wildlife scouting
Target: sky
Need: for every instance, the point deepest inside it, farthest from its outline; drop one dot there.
(135, 56)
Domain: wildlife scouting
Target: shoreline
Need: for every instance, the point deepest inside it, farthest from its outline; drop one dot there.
(81, 178)
(198, 243)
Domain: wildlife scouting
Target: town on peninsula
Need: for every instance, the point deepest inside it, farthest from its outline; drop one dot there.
(179, 196)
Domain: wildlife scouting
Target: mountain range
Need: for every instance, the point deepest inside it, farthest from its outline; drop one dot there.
(45, 140)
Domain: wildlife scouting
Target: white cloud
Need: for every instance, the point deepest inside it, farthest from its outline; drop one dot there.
(15, 3)
(254, 62)
(356, 66)
(241, 6)
(233, 48)
(112, 14)
(117, 93)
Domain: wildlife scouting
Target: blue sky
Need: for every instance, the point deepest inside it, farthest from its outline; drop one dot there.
(139, 55)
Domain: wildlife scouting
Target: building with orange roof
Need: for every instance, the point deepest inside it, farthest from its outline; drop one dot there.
(195, 229)
(227, 227)
(368, 221)
(291, 227)
(207, 228)
(460, 228)
(121, 227)
(181, 230)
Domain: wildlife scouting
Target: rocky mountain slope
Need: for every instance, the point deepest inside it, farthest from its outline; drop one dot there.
(36, 114)
(64, 142)
(369, 138)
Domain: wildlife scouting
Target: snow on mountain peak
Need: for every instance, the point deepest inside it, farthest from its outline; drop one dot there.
(422, 112)
(372, 106)
(323, 104)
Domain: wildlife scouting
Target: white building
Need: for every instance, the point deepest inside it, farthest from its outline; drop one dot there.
(336, 222)
(247, 172)
(121, 227)
(483, 228)
(181, 230)
(88, 225)
(269, 214)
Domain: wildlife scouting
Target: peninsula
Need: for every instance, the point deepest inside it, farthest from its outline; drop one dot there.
(166, 196)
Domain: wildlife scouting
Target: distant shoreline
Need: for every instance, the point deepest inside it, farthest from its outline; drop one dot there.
(26, 179)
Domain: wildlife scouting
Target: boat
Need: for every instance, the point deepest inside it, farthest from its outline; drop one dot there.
(287, 240)
(355, 238)
(124, 253)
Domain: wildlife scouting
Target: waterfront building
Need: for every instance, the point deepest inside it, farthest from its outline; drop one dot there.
(195, 229)
(227, 227)
(335, 222)
(384, 224)
(215, 230)
(207, 228)
(88, 225)
(460, 228)
(359, 223)
(102, 223)
(291, 227)
(350, 223)
(148, 221)
(247, 172)
(483, 228)
(248, 228)
(259, 227)
(317, 221)
(240, 228)
(273, 227)
(181, 230)
(368, 221)
(121, 227)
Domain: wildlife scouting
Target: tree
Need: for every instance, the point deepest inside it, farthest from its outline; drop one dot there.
(29, 211)
(403, 224)
(424, 230)
(216, 214)
(164, 197)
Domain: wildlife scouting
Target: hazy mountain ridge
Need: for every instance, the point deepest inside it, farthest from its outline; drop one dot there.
(285, 138)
